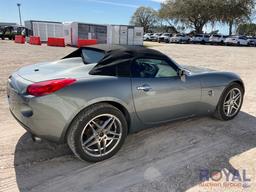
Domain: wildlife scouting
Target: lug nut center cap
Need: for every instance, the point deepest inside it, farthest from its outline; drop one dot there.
(101, 134)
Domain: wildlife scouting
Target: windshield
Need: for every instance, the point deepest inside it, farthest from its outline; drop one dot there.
(92, 56)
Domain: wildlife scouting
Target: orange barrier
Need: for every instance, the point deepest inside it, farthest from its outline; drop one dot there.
(19, 39)
(34, 40)
(84, 42)
(54, 41)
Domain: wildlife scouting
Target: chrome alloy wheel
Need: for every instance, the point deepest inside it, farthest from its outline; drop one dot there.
(101, 135)
(232, 102)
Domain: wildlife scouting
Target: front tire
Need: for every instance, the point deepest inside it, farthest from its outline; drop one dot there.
(230, 102)
(97, 133)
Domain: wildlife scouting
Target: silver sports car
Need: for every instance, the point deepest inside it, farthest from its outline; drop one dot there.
(96, 95)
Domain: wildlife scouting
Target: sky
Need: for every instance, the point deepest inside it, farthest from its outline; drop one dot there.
(88, 11)
(91, 11)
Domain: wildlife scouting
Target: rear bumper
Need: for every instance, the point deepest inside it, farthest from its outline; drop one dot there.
(47, 117)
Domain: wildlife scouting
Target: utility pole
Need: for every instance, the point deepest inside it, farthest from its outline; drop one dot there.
(18, 4)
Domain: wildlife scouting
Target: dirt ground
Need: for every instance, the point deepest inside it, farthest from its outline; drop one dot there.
(167, 158)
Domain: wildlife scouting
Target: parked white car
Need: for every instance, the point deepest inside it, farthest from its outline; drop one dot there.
(217, 39)
(200, 38)
(236, 40)
(252, 41)
(165, 37)
(146, 37)
(180, 38)
(155, 36)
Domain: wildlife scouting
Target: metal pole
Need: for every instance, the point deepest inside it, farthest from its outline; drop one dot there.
(18, 4)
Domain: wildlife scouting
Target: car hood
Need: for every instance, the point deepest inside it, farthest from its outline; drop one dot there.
(65, 68)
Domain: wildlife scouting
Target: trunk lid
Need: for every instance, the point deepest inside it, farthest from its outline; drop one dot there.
(65, 68)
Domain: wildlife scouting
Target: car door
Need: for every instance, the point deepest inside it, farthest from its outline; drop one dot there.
(159, 93)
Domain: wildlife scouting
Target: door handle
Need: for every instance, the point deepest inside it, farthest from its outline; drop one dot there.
(145, 88)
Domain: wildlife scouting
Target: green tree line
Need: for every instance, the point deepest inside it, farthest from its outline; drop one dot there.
(195, 14)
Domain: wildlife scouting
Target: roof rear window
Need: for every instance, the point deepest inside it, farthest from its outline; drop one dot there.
(92, 56)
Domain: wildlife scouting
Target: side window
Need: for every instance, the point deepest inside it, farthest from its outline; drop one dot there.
(152, 68)
(120, 68)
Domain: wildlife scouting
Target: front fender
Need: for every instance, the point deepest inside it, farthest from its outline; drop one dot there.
(213, 85)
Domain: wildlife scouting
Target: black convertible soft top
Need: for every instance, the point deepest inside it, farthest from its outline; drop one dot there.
(121, 55)
(118, 51)
(117, 54)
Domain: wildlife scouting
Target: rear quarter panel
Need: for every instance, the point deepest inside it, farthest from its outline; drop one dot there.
(87, 92)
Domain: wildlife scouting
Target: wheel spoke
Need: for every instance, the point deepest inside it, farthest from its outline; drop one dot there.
(104, 146)
(232, 94)
(88, 140)
(107, 122)
(92, 143)
(237, 96)
(111, 138)
(96, 124)
(235, 107)
(93, 130)
(229, 110)
(113, 133)
(226, 102)
(226, 105)
(110, 125)
(237, 104)
(99, 148)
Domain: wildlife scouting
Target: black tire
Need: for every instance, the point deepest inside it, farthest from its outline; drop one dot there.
(78, 124)
(219, 112)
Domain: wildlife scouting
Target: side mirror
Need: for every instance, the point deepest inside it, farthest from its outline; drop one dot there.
(182, 74)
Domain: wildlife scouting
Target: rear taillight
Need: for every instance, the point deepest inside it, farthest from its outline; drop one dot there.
(48, 87)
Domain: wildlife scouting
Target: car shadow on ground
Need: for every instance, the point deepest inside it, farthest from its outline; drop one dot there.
(166, 158)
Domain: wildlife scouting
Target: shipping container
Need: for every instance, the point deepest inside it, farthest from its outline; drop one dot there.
(45, 29)
(125, 35)
(74, 31)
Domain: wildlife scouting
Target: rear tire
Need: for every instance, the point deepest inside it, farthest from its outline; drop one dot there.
(91, 143)
(229, 106)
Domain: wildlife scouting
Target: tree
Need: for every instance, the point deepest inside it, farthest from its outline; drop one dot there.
(248, 29)
(197, 13)
(144, 17)
(193, 13)
(235, 11)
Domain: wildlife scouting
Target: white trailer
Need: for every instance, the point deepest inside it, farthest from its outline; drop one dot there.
(125, 35)
(75, 30)
(45, 29)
